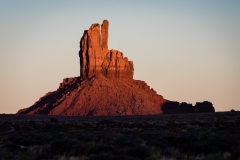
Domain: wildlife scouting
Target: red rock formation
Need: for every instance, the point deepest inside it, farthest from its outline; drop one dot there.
(105, 87)
(98, 96)
(104, 32)
(173, 107)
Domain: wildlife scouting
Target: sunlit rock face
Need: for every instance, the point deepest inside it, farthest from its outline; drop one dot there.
(98, 96)
(96, 58)
(106, 86)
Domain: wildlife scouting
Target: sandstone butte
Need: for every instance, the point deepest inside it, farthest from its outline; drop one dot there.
(105, 86)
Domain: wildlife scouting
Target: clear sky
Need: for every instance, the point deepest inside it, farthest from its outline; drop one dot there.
(187, 50)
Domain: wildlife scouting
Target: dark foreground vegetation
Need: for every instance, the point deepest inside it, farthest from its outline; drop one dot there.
(210, 136)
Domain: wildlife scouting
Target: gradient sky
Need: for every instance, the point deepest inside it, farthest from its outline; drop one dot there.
(187, 50)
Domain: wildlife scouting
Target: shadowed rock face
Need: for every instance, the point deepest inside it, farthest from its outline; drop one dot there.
(96, 58)
(173, 107)
(106, 86)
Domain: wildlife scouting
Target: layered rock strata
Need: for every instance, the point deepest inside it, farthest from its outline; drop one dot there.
(105, 86)
(98, 96)
(96, 58)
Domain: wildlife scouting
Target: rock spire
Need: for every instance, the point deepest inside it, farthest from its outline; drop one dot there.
(106, 86)
(96, 58)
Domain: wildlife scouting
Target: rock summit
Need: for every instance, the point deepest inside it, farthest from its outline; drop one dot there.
(96, 58)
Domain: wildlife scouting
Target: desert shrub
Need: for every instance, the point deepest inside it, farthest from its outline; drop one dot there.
(105, 123)
(62, 147)
(42, 138)
(109, 156)
(123, 141)
(105, 138)
(6, 155)
(30, 139)
(99, 148)
(157, 144)
(182, 139)
(151, 136)
(53, 120)
(102, 156)
(38, 138)
(170, 138)
(44, 155)
(2, 155)
(78, 150)
(237, 122)
(123, 157)
(193, 148)
(32, 122)
(5, 126)
(12, 147)
(87, 137)
(26, 141)
(200, 123)
(220, 143)
(214, 157)
(88, 146)
(140, 152)
(235, 154)
(166, 153)
(13, 138)
(26, 156)
(59, 136)
(159, 157)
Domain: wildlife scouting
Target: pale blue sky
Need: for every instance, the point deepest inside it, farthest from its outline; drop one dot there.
(187, 51)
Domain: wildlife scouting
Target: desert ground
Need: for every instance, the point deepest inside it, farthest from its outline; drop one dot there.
(207, 136)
